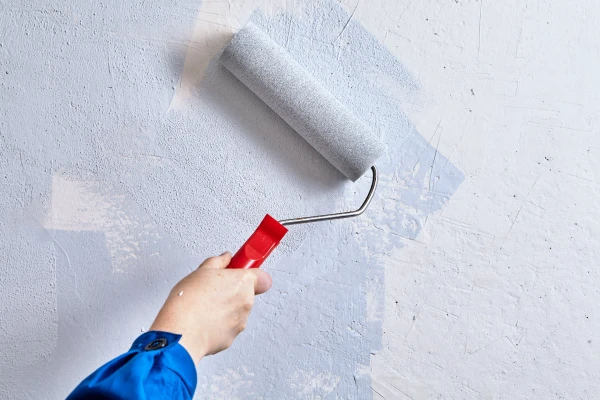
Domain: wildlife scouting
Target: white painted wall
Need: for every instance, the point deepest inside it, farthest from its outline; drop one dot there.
(495, 298)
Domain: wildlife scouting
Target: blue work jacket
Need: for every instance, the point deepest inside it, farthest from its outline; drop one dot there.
(156, 367)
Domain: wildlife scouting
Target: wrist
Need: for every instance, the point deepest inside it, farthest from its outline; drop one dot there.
(191, 343)
(197, 349)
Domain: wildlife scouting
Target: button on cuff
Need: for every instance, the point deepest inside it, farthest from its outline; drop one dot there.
(157, 344)
(155, 340)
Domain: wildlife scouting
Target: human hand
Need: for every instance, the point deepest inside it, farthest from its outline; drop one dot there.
(210, 306)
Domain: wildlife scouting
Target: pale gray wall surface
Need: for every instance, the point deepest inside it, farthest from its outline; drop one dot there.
(107, 199)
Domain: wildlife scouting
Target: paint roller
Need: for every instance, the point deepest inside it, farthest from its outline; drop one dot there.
(299, 99)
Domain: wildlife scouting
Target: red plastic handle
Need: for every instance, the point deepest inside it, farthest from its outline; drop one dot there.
(259, 245)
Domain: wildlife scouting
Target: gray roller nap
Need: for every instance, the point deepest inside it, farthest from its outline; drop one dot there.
(287, 88)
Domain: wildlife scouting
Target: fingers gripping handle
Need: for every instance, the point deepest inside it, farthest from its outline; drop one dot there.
(259, 245)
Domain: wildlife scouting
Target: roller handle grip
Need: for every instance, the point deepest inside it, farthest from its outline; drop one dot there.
(259, 245)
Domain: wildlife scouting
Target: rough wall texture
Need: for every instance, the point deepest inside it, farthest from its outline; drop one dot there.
(110, 195)
(128, 155)
(108, 199)
(497, 295)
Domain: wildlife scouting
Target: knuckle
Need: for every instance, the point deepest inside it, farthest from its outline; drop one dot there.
(248, 303)
(210, 260)
(249, 276)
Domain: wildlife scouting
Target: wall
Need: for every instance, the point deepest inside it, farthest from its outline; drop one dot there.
(129, 155)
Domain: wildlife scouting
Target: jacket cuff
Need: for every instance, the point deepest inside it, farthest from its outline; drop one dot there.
(170, 355)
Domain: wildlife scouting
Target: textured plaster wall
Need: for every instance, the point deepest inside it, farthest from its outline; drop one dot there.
(122, 173)
(129, 155)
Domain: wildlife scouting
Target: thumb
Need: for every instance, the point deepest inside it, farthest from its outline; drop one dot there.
(262, 282)
(218, 262)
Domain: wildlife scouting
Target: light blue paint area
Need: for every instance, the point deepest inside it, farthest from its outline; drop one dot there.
(316, 327)
(84, 92)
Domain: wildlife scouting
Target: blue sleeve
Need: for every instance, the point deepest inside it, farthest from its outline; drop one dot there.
(156, 367)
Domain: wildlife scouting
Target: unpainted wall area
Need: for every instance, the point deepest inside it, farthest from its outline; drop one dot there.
(496, 298)
(111, 194)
